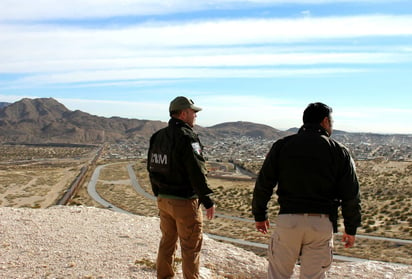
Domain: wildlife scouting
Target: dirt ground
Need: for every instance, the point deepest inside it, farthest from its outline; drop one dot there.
(36, 176)
(386, 189)
(35, 185)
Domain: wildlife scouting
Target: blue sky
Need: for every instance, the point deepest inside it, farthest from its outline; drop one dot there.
(259, 61)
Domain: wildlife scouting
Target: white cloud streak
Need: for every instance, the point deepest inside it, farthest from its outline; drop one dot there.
(249, 59)
(176, 73)
(80, 9)
(76, 54)
(208, 33)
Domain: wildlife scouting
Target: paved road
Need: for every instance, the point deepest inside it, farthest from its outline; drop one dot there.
(91, 189)
(92, 192)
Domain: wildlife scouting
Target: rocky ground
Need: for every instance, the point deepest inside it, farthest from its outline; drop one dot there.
(89, 243)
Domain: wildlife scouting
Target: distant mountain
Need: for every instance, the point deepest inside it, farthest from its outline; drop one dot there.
(4, 104)
(247, 129)
(45, 120)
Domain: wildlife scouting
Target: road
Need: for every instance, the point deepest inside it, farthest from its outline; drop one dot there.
(91, 188)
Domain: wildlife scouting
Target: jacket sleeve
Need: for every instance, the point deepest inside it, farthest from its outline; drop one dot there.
(348, 191)
(265, 183)
(196, 169)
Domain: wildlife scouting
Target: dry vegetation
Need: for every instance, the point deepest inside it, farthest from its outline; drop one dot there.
(386, 192)
(233, 197)
(37, 177)
(27, 181)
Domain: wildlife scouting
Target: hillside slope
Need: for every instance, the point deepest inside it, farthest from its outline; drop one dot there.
(86, 242)
(46, 120)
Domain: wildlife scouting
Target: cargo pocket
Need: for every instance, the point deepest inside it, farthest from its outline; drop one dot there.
(328, 261)
(274, 240)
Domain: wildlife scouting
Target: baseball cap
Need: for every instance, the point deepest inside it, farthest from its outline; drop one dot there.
(181, 102)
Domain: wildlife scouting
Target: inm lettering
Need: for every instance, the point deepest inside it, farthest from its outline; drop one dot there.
(159, 158)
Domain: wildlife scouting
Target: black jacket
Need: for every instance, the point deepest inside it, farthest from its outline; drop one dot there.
(176, 165)
(313, 174)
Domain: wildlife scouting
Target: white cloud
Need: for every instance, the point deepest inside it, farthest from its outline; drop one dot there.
(249, 59)
(75, 9)
(172, 73)
(42, 38)
(12, 98)
(76, 54)
(127, 109)
(79, 9)
(372, 119)
(280, 113)
(38, 40)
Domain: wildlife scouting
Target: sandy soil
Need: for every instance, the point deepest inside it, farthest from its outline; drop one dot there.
(35, 185)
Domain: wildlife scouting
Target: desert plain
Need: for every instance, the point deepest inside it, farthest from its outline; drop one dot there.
(37, 177)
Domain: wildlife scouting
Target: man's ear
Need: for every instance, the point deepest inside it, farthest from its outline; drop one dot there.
(325, 122)
(184, 113)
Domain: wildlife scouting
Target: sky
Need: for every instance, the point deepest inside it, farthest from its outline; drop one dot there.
(240, 60)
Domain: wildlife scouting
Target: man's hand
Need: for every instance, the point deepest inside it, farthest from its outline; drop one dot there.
(210, 212)
(263, 226)
(348, 239)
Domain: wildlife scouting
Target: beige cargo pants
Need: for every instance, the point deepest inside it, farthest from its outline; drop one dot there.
(307, 237)
(179, 219)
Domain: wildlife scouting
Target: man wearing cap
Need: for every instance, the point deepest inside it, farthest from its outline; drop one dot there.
(178, 176)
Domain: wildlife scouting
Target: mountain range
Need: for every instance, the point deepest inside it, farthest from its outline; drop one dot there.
(45, 120)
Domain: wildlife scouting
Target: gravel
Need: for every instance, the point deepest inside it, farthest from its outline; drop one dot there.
(87, 242)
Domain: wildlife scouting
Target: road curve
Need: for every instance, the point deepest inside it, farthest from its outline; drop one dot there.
(91, 189)
(93, 193)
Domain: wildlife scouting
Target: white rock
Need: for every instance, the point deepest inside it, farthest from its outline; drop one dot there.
(85, 242)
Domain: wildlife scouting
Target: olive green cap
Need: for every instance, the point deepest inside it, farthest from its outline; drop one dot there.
(180, 103)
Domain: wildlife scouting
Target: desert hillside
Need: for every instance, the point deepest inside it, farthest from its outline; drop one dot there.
(86, 242)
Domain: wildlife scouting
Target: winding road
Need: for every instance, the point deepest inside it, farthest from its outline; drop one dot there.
(91, 188)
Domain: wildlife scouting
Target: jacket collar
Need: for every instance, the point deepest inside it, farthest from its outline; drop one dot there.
(313, 128)
(177, 122)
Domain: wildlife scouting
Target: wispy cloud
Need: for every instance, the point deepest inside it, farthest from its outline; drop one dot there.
(80, 9)
(206, 33)
(61, 54)
(249, 59)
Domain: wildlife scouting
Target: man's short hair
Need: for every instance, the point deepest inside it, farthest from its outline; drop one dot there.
(315, 113)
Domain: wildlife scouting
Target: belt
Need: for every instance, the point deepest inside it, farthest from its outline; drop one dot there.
(312, 214)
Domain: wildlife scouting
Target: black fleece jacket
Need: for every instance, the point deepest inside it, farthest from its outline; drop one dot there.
(313, 174)
(176, 165)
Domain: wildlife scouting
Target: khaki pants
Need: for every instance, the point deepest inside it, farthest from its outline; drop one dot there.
(179, 219)
(307, 237)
